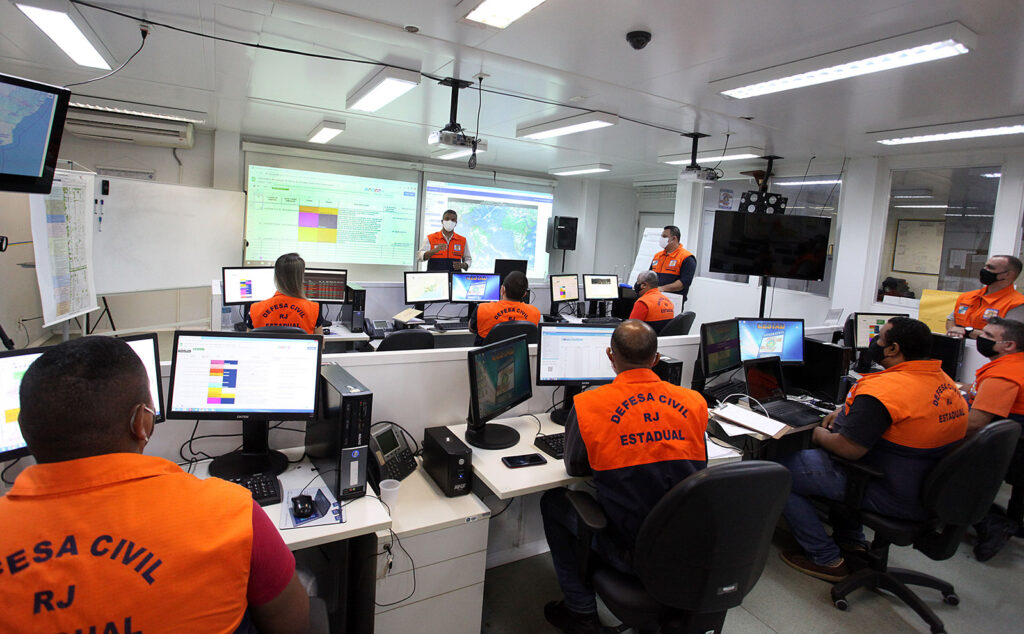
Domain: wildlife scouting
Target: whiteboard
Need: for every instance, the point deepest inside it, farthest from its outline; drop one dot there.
(154, 236)
(918, 246)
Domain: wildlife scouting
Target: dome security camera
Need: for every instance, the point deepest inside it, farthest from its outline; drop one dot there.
(638, 39)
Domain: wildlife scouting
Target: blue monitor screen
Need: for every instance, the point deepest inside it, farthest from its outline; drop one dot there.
(476, 287)
(782, 338)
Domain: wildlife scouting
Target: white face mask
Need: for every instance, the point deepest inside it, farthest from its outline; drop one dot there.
(662, 242)
(449, 225)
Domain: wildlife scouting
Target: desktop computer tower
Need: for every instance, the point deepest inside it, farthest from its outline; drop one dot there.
(669, 369)
(336, 441)
(448, 461)
(357, 297)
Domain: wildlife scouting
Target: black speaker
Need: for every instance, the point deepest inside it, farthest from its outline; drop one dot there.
(562, 233)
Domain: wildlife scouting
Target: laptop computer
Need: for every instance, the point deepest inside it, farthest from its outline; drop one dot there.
(764, 383)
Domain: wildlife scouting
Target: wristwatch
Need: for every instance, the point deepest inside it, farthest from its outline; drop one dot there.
(967, 332)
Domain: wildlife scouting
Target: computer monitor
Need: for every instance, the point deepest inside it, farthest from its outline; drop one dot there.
(245, 285)
(950, 350)
(504, 267)
(783, 338)
(499, 379)
(145, 345)
(719, 347)
(251, 377)
(13, 364)
(600, 287)
(574, 354)
(474, 288)
(426, 287)
(823, 374)
(866, 327)
(34, 122)
(325, 286)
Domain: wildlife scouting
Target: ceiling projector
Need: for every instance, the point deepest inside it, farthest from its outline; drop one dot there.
(450, 138)
(698, 173)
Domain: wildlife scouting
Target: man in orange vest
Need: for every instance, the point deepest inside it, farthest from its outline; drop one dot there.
(900, 421)
(98, 537)
(651, 304)
(512, 307)
(674, 265)
(997, 298)
(446, 250)
(639, 436)
(998, 393)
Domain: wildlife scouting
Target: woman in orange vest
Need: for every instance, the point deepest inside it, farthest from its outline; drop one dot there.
(652, 306)
(288, 306)
(446, 250)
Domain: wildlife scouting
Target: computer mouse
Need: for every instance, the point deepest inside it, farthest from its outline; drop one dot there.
(327, 331)
(302, 506)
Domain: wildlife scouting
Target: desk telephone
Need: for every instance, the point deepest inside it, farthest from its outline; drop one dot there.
(378, 328)
(392, 458)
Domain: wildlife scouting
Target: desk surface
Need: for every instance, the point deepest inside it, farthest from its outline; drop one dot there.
(422, 507)
(340, 332)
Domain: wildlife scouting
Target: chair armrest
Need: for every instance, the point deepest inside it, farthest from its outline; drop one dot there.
(857, 477)
(588, 510)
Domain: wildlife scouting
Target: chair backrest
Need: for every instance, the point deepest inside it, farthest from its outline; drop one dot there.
(280, 329)
(408, 339)
(704, 545)
(679, 325)
(508, 329)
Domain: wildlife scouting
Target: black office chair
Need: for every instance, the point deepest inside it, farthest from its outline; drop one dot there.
(408, 339)
(956, 494)
(679, 325)
(508, 329)
(280, 329)
(698, 553)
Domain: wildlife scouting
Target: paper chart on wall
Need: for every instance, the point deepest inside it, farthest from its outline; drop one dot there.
(62, 240)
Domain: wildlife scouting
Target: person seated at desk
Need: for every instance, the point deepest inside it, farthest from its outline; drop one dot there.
(998, 298)
(900, 420)
(651, 304)
(98, 537)
(513, 307)
(288, 306)
(640, 436)
(998, 393)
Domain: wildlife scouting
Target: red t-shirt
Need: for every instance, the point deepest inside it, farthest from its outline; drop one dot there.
(272, 564)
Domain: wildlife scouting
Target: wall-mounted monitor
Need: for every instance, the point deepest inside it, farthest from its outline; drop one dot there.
(31, 125)
(776, 245)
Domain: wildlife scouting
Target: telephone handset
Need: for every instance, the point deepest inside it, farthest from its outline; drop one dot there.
(378, 328)
(393, 459)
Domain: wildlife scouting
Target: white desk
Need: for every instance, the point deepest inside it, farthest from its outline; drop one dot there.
(340, 332)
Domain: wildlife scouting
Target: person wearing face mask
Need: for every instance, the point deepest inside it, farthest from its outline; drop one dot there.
(98, 536)
(998, 298)
(446, 250)
(651, 304)
(998, 393)
(674, 265)
(900, 421)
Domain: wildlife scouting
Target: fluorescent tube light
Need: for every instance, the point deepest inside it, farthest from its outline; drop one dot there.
(926, 45)
(568, 125)
(448, 154)
(951, 131)
(326, 130)
(67, 29)
(136, 109)
(733, 154)
(804, 183)
(921, 206)
(577, 170)
(383, 88)
(992, 175)
(501, 13)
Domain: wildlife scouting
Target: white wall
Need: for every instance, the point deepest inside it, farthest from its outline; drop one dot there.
(19, 291)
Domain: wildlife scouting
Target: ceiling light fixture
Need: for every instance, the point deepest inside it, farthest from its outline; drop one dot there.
(733, 154)
(568, 125)
(926, 45)
(499, 13)
(992, 175)
(383, 88)
(921, 206)
(950, 131)
(805, 183)
(325, 131)
(450, 153)
(577, 170)
(136, 109)
(63, 24)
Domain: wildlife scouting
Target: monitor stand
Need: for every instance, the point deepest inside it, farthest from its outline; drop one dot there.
(492, 436)
(561, 413)
(255, 456)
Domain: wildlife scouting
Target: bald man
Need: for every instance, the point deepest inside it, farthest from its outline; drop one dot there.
(651, 304)
(639, 436)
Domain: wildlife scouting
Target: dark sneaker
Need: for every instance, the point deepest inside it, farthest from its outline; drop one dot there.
(802, 563)
(996, 532)
(570, 622)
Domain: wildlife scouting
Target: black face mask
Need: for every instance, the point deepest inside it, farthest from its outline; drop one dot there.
(988, 277)
(638, 289)
(876, 351)
(987, 347)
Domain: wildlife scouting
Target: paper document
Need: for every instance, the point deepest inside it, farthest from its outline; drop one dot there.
(752, 420)
(648, 247)
(716, 451)
(407, 314)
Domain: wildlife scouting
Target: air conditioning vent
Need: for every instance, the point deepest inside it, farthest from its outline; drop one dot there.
(129, 129)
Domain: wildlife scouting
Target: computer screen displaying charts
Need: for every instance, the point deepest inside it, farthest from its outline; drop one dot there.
(243, 285)
(565, 288)
(782, 338)
(220, 374)
(423, 288)
(868, 325)
(574, 354)
(325, 285)
(475, 287)
(12, 367)
(600, 287)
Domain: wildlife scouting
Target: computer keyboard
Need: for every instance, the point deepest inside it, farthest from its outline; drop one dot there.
(551, 444)
(719, 392)
(451, 325)
(265, 488)
(793, 414)
(602, 320)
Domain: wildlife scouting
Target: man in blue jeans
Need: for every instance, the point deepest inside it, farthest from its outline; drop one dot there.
(899, 421)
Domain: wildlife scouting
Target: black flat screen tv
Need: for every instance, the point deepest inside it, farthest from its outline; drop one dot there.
(31, 125)
(776, 245)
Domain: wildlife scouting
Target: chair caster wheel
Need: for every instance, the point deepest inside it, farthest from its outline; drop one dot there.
(841, 604)
(951, 599)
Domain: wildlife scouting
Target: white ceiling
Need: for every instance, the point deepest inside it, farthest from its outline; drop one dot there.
(569, 51)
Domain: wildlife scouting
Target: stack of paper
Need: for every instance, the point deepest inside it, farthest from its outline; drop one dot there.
(751, 420)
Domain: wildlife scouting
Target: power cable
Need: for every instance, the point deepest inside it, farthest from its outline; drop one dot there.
(145, 32)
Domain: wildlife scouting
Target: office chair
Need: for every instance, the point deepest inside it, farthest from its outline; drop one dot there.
(956, 494)
(679, 325)
(698, 553)
(508, 329)
(280, 329)
(408, 339)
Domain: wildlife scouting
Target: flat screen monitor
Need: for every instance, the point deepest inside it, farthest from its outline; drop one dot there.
(600, 287)
(783, 338)
(499, 379)
(32, 116)
(13, 364)
(823, 372)
(503, 267)
(565, 288)
(325, 286)
(146, 347)
(245, 285)
(252, 377)
(424, 288)
(950, 350)
(776, 245)
(475, 287)
(720, 347)
(866, 327)
(574, 354)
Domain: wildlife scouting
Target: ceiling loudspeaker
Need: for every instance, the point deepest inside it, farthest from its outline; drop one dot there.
(757, 202)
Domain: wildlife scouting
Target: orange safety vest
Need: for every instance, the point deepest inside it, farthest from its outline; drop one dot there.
(492, 313)
(670, 263)
(926, 407)
(453, 251)
(1009, 368)
(282, 310)
(659, 307)
(123, 543)
(975, 308)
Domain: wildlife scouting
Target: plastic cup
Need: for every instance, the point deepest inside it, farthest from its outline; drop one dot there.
(389, 493)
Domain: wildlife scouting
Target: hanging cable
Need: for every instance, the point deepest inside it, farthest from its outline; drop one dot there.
(476, 130)
(144, 30)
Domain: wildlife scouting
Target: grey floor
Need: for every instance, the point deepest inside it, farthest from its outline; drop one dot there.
(991, 596)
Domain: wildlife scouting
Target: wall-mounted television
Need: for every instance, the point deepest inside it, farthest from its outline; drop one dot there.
(31, 125)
